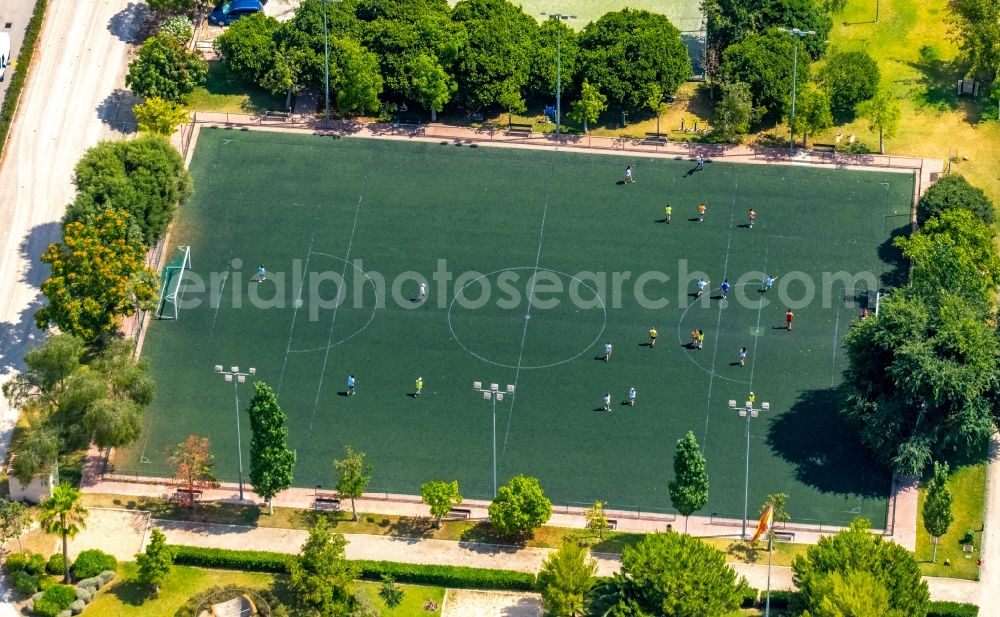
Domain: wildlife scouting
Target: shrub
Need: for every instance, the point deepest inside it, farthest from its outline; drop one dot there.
(107, 576)
(954, 191)
(56, 565)
(35, 565)
(953, 609)
(749, 597)
(77, 606)
(24, 583)
(255, 561)
(782, 599)
(16, 562)
(45, 582)
(21, 74)
(84, 593)
(93, 562)
(178, 27)
(55, 600)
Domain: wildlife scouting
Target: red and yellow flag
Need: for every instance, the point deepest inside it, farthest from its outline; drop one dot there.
(765, 523)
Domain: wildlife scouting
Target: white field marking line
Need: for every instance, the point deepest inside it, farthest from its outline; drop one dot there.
(760, 309)
(343, 277)
(295, 307)
(215, 317)
(718, 321)
(527, 320)
(836, 329)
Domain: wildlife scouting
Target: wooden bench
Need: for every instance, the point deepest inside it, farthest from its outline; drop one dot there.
(784, 536)
(829, 148)
(277, 115)
(326, 501)
(515, 128)
(459, 514)
(612, 524)
(660, 138)
(183, 494)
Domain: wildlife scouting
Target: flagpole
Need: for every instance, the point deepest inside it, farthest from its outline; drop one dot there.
(770, 545)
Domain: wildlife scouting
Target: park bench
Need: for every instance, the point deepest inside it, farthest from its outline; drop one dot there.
(459, 513)
(277, 115)
(612, 524)
(183, 494)
(829, 148)
(659, 138)
(784, 536)
(326, 501)
(517, 128)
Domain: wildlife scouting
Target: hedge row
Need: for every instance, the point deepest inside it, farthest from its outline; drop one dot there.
(953, 609)
(442, 576)
(17, 79)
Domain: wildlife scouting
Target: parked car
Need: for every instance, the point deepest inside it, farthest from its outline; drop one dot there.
(228, 12)
(4, 53)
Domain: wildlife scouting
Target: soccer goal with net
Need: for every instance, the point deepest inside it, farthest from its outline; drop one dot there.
(171, 284)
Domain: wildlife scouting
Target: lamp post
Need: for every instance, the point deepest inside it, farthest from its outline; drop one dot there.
(234, 376)
(798, 34)
(748, 411)
(326, 65)
(559, 17)
(495, 394)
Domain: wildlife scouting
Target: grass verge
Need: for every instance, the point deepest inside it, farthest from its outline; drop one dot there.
(224, 92)
(968, 491)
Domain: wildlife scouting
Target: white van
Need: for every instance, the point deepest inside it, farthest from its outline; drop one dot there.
(4, 53)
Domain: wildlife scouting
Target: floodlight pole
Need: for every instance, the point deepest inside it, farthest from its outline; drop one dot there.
(559, 16)
(326, 65)
(495, 394)
(234, 375)
(798, 34)
(748, 411)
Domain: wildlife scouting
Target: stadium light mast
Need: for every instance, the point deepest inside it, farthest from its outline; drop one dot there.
(495, 394)
(234, 376)
(748, 411)
(559, 17)
(798, 34)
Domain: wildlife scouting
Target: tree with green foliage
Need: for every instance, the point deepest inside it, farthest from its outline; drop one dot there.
(954, 253)
(556, 61)
(674, 575)
(320, 574)
(271, 462)
(883, 115)
(159, 117)
(734, 112)
(777, 501)
(98, 275)
(511, 98)
(37, 452)
(441, 497)
(391, 593)
(15, 519)
(353, 475)
(597, 520)
(885, 563)
(937, 506)
(731, 21)
(812, 112)
(851, 593)
(764, 63)
(500, 41)
(48, 366)
(951, 192)
(63, 515)
(361, 82)
(155, 562)
(566, 577)
(430, 85)
(194, 466)
(589, 106)
(287, 73)
(656, 103)
(975, 31)
(922, 378)
(165, 68)
(145, 177)
(520, 507)
(689, 489)
(249, 48)
(848, 78)
(624, 51)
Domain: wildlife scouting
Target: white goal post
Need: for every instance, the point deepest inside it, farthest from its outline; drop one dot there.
(173, 277)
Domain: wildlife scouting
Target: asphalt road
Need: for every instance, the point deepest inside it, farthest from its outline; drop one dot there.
(14, 16)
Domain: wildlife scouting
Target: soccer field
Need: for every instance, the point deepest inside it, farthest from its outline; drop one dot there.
(347, 228)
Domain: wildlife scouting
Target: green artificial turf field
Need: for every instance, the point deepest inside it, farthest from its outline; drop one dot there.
(560, 227)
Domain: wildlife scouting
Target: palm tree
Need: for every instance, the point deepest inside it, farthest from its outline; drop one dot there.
(63, 514)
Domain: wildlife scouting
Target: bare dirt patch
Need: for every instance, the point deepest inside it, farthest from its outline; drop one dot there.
(470, 603)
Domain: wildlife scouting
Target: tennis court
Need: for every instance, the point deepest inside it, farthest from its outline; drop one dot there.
(347, 228)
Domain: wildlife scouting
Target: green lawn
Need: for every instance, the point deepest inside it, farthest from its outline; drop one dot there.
(375, 214)
(224, 92)
(968, 491)
(126, 598)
